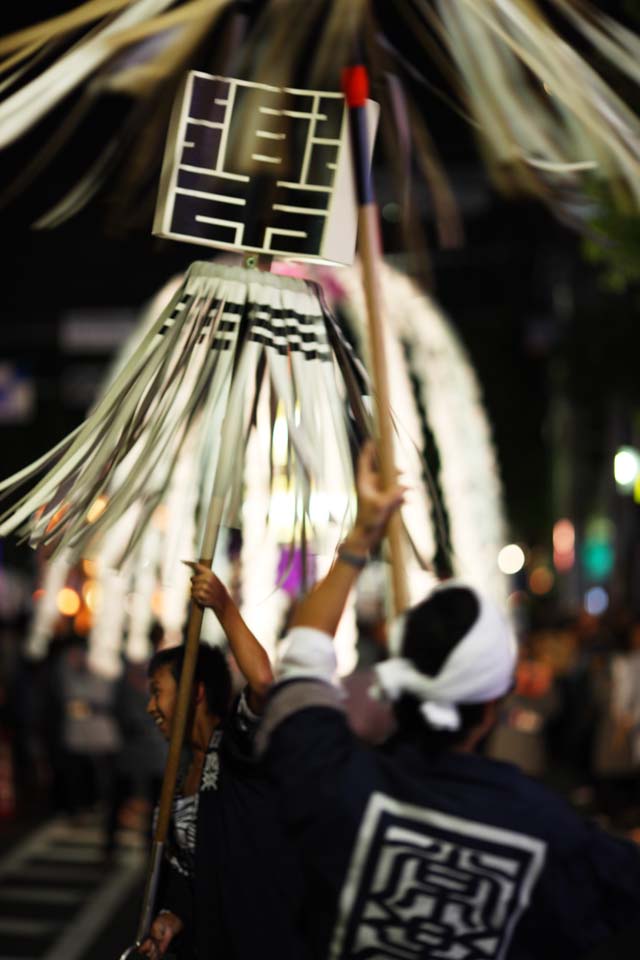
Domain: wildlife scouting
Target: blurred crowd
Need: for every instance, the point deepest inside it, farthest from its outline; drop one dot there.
(573, 719)
(83, 743)
(72, 741)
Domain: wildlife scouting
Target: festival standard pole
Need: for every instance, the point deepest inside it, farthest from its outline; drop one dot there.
(355, 84)
(183, 706)
(183, 700)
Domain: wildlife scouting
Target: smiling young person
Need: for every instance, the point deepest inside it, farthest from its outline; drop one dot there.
(229, 881)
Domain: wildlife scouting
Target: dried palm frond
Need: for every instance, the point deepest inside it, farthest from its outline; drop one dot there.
(544, 117)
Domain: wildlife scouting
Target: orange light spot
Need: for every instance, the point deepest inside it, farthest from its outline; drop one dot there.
(541, 581)
(96, 509)
(68, 602)
(91, 594)
(82, 622)
(89, 568)
(57, 517)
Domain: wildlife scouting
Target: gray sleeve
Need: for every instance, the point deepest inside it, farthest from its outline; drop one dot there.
(289, 697)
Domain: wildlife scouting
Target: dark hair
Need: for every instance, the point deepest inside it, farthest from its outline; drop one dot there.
(432, 631)
(211, 669)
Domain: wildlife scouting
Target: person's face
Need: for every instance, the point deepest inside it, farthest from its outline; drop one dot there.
(161, 707)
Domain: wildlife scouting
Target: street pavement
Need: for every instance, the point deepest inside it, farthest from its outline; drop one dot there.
(60, 899)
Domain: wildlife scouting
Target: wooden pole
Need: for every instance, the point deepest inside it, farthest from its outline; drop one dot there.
(356, 89)
(183, 700)
(178, 729)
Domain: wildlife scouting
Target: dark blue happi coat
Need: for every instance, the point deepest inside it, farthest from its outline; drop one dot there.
(450, 856)
(236, 892)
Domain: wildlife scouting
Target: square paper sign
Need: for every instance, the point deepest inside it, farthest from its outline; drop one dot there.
(262, 169)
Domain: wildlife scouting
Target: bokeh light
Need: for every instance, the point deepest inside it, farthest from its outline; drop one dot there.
(68, 602)
(91, 594)
(564, 540)
(596, 601)
(96, 509)
(89, 568)
(541, 581)
(564, 536)
(598, 549)
(625, 466)
(82, 622)
(511, 558)
(57, 517)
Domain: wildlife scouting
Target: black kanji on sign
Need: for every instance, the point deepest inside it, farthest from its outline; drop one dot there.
(253, 167)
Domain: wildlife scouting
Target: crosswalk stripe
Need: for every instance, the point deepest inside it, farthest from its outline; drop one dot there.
(15, 858)
(63, 830)
(73, 873)
(79, 935)
(40, 895)
(70, 855)
(35, 873)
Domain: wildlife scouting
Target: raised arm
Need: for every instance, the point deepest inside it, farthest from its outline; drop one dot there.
(251, 657)
(324, 604)
(311, 751)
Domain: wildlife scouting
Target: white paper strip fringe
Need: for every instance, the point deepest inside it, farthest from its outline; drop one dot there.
(200, 362)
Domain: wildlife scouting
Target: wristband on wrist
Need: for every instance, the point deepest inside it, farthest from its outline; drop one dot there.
(357, 560)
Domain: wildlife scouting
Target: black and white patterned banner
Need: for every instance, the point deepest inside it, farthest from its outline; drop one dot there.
(254, 167)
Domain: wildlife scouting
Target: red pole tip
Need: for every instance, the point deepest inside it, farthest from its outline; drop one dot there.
(355, 85)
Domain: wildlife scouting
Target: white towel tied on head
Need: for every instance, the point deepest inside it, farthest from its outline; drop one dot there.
(478, 669)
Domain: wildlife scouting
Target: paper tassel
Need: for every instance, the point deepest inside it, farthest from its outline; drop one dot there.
(263, 603)
(199, 362)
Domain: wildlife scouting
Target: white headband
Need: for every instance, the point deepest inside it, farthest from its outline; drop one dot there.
(478, 669)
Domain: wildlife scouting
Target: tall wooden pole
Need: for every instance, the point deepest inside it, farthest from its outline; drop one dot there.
(178, 729)
(355, 84)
